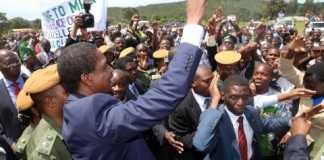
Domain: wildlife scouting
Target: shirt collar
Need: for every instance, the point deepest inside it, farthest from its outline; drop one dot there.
(200, 100)
(8, 83)
(232, 116)
(53, 125)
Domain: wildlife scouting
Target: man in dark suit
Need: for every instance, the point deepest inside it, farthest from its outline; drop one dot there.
(231, 131)
(185, 119)
(13, 80)
(96, 125)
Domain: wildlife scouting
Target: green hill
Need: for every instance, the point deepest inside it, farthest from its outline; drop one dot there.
(243, 8)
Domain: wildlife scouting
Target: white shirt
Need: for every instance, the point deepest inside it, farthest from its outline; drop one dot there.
(247, 130)
(201, 101)
(193, 34)
(285, 85)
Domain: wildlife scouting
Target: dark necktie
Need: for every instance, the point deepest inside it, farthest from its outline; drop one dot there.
(242, 140)
(16, 88)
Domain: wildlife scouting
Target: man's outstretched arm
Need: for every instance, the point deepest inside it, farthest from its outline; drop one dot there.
(126, 121)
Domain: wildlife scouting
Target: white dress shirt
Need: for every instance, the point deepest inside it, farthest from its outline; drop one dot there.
(193, 34)
(247, 130)
(201, 100)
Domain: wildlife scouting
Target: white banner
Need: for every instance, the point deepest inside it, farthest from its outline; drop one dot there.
(58, 18)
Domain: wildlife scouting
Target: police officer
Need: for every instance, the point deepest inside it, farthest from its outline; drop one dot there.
(161, 58)
(43, 92)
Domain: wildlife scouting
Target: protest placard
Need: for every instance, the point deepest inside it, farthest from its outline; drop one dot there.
(58, 19)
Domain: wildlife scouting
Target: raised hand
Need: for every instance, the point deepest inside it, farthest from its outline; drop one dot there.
(303, 92)
(297, 45)
(300, 126)
(195, 11)
(214, 92)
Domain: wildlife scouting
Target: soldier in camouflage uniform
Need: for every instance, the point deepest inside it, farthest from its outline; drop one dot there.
(43, 92)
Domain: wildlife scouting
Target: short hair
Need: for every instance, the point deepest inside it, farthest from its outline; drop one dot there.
(265, 65)
(76, 59)
(316, 70)
(122, 73)
(235, 80)
(121, 63)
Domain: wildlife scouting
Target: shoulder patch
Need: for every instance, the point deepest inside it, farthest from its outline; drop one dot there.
(24, 139)
(47, 142)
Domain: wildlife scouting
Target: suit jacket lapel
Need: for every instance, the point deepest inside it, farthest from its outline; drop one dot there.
(195, 111)
(5, 97)
(251, 119)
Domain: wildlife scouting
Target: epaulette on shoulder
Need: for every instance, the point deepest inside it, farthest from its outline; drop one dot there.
(47, 142)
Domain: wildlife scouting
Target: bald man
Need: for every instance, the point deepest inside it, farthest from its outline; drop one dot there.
(46, 56)
(10, 85)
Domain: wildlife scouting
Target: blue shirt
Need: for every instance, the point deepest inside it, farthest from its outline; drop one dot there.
(11, 88)
(318, 100)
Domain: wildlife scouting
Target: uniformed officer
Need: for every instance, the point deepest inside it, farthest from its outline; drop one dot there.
(227, 65)
(108, 51)
(34, 117)
(43, 92)
(161, 58)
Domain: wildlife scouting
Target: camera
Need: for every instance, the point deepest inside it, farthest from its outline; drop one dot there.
(87, 17)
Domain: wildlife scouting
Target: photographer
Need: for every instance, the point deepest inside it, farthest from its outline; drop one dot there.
(77, 25)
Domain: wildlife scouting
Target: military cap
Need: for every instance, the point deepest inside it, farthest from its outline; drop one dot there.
(228, 57)
(126, 52)
(162, 53)
(39, 81)
(104, 48)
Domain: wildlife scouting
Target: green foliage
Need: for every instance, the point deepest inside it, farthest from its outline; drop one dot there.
(36, 24)
(271, 8)
(3, 24)
(129, 12)
(19, 22)
(6, 25)
(244, 9)
(176, 11)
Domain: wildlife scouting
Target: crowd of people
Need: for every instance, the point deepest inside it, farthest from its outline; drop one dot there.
(165, 91)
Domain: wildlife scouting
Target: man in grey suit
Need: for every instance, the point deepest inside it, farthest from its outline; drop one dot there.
(96, 125)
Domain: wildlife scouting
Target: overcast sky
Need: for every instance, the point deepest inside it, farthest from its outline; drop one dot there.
(30, 9)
